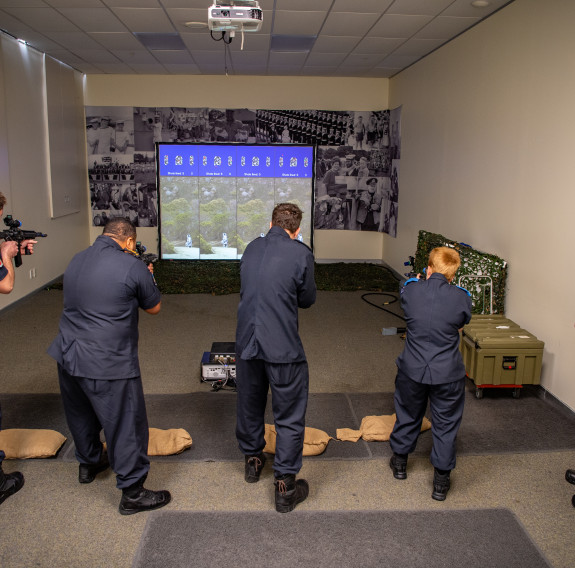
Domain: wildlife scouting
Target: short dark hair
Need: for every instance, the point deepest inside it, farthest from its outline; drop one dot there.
(2, 201)
(119, 228)
(287, 216)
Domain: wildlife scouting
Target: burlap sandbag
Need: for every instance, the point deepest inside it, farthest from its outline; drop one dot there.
(167, 442)
(22, 444)
(374, 429)
(314, 442)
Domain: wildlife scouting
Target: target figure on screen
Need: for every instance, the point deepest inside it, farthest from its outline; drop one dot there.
(225, 240)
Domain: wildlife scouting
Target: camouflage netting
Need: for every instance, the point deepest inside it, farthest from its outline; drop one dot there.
(479, 271)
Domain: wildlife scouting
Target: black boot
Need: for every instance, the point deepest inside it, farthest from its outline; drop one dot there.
(137, 498)
(87, 472)
(254, 466)
(570, 476)
(10, 483)
(441, 485)
(398, 463)
(289, 492)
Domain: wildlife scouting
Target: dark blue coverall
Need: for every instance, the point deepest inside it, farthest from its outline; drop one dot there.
(97, 355)
(277, 278)
(430, 367)
(3, 274)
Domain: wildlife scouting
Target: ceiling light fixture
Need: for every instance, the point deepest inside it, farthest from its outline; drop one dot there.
(480, 3)
(196, 25)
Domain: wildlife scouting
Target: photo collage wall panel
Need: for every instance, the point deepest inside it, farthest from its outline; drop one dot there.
(357, 157)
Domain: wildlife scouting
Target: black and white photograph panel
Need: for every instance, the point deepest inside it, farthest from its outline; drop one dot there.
(109, 130)
(151, 125)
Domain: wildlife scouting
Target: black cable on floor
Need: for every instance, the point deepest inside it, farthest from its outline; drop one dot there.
(394, 299)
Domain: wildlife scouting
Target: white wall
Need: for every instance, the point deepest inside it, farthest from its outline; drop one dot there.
(251, 92)
(25, 158)
(487, 158)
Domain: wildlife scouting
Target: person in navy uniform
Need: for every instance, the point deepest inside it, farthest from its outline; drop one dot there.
(277, 278)
(98, 368)
(10, 483)
(431, 368)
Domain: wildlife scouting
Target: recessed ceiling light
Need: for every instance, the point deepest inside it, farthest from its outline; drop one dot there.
(480, 3)
(196, 25)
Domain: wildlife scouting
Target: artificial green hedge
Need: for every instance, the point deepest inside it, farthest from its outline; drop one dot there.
(473, 263)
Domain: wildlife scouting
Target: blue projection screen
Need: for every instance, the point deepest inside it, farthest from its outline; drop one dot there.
(216, 198)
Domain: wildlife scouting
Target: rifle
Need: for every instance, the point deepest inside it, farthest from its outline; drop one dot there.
(14, 233)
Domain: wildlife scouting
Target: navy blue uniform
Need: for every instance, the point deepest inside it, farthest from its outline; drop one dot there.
(431, 367)
(3, 274)
(97, 354)
(277, 278)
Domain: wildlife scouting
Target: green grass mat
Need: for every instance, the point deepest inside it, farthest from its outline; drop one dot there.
(223, 277)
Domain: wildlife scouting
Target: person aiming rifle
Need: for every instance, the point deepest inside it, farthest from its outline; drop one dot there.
(23, 238)
(10, 483)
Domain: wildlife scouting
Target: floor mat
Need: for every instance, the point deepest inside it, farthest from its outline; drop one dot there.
(426, 539)
(496, 424)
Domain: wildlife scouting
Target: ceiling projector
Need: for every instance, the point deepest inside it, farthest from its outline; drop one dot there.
(236, 16)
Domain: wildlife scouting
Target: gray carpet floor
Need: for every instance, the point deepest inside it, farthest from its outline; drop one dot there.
(54, 521)
(370, 539)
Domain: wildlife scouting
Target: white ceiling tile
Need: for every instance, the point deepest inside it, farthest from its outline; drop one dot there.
(76, 3)
(378, 45)
(304, 5)
(336, 44)
(419, 7)
(287, 59)
(463, 8)
(325, 59)
(418, 47)
(23, 3)
(341, 23)
(74, 40)
(208, 57)
(293, 23)
(141, 56)
(253, 58)
(398, 26)
(321, 71)
(132, 3)
(115, 68)
(96, 56)
(368, 6)
(398, 61)
(116, 40)
(94, 19)
(144, 20)
(362, 59)
(45, 19)
(180, 16)
(176, 57)
(445, 28)
(9, 22)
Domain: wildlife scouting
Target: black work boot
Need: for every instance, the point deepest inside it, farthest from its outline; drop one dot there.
(137, 498)
(289, 492)
(441, 485)
(87, 471)
(254, 466)
(399, 466)
(10, 483)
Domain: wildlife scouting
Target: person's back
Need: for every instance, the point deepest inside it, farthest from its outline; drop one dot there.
(435, 311)
(275, 274)
(277, 278)
(100, 317)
